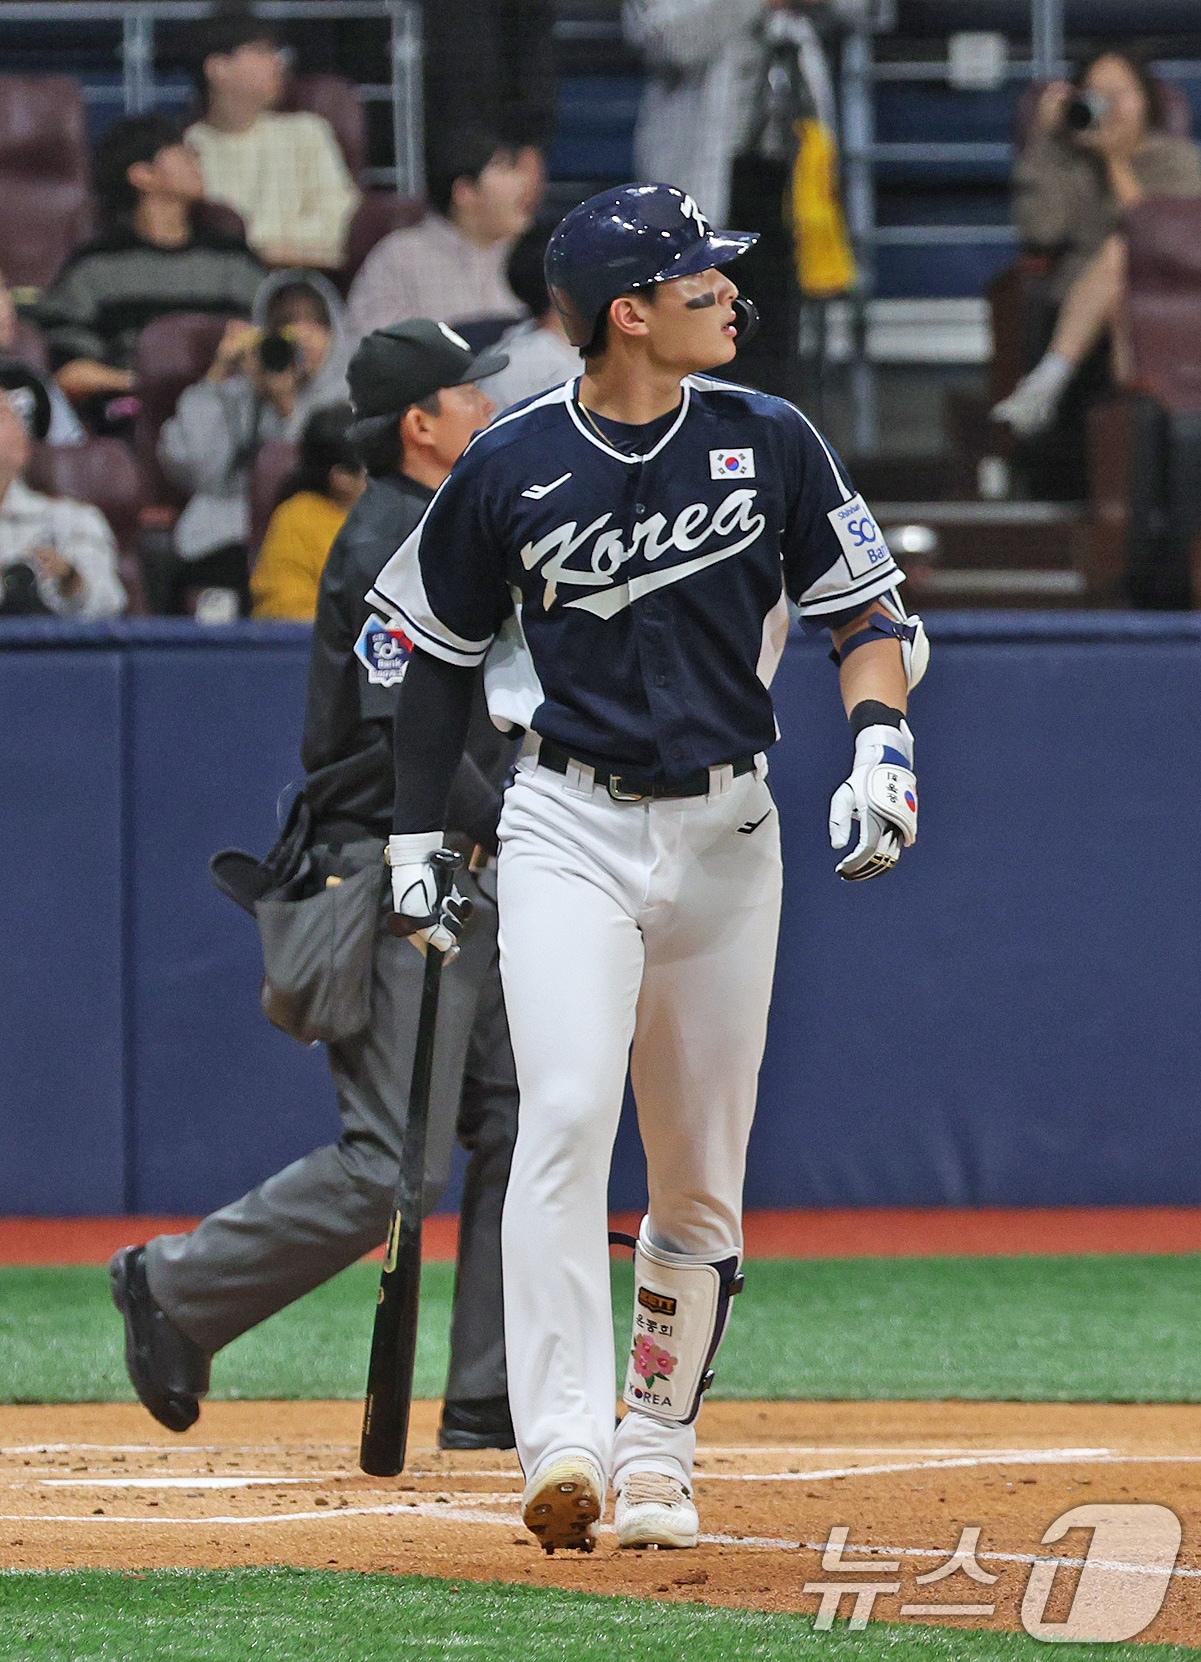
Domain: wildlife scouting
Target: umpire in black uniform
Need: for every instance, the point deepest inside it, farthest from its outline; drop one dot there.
(417, 399)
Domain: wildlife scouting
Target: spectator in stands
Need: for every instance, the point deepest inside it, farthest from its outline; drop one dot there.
(264, 383)
(1097, 147)
(704, 61)
(505, 82)
(313, 504)
(62, 426)
(451, 265)
(149, 259)
(57, 557)
(538, 350)
(284, 173)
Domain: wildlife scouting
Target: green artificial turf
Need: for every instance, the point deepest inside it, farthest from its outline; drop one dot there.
(298, 1615)
(1104, 1329)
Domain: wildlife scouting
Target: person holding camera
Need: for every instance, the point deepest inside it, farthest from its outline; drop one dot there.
(265, 380)
(1097, 147)
(57, 557)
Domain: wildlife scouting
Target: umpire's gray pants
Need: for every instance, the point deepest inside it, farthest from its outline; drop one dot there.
(323, 1212)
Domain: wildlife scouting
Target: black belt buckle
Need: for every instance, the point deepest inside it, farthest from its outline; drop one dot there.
(614, 787)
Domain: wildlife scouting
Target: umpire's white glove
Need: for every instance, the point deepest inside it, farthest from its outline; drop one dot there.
(415, 903)
(881, 794)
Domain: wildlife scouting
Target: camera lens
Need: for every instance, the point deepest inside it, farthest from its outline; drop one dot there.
(1085, 110)
(277, 353)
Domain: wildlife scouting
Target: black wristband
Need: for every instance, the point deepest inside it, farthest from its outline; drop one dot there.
(869, 712)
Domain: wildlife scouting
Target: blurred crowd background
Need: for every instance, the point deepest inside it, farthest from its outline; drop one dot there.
(980, 267)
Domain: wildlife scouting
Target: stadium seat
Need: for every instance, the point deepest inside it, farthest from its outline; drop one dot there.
(275, 460)
(45, 210)
(337, 99)
(1163, 301)
(29, 346)
(173, 352)
(380, 212)
(1145, 446)
(105, 473)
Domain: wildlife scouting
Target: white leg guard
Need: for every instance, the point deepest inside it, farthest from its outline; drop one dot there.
(681, 1304)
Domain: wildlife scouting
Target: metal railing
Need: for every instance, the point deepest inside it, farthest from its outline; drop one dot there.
(862, 153)
(139, 85)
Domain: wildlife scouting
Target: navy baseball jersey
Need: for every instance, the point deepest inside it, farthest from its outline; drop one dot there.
(633, 607)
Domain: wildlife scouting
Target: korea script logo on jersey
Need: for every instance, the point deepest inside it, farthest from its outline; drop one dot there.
(385, 652)
(568, 558)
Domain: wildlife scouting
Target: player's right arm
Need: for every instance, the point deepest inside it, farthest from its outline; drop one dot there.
(445, 587)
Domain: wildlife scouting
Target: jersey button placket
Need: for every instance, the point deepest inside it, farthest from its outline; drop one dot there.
(652, 627)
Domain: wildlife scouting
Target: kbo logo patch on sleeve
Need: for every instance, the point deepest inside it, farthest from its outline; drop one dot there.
(861, 538)
(731, 464)
(384, 651)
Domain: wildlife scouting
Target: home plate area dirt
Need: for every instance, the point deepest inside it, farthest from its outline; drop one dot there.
(278, 1483)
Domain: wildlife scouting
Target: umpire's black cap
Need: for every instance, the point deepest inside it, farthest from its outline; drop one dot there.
(409, 361)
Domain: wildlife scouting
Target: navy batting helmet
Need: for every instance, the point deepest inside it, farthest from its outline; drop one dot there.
(627, 239)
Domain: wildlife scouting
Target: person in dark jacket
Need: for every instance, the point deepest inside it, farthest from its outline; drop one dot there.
(414, 388)
(154, 254)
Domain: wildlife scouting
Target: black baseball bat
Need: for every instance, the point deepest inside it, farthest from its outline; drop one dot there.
(389, 1393)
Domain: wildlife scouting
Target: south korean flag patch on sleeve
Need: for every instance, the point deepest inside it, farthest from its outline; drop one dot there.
(384, 651)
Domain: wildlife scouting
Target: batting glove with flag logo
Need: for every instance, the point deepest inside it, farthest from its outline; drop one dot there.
(881, 796)
(419, 912)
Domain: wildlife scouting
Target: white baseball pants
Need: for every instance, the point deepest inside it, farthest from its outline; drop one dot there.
(651, 923)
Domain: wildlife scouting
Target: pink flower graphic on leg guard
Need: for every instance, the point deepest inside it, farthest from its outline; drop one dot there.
(644, 1357)
(651, 1362)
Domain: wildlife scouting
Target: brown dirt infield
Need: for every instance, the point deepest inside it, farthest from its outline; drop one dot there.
(278, 1483)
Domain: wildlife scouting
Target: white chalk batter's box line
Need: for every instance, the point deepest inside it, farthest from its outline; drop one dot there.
(477, 1516)
(707, 1451)
(247, 1480)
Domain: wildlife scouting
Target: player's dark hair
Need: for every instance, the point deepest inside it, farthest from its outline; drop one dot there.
(324, 445)
(526, 270)
(1138, 64)
(599, 342)
(135, 139)
(459, 153)
(377, 440)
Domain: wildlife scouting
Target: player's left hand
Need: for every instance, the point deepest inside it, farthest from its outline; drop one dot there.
(420, 911)
(881, 796)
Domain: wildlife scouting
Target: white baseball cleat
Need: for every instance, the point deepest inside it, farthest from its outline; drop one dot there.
(563, 1503)
(654, 1510)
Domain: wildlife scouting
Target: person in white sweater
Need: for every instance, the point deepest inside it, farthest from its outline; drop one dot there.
(284, 173)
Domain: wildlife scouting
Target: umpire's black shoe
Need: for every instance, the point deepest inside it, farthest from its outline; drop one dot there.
(169, 1371)
(484, 1423)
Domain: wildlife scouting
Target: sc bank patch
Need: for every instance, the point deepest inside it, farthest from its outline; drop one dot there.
(860, 538)
(383, 651)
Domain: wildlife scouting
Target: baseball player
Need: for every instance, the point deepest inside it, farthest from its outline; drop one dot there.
(416, 393)
(622, 553)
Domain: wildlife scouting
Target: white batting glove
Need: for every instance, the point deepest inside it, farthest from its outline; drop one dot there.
(418, 913)
(881, 794)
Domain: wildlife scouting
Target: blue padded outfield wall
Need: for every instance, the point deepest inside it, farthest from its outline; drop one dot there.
(1009, 1019)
